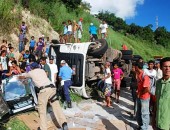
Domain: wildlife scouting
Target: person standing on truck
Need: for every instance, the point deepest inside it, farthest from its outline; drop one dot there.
(46, 93)
(70, 31)
(161, 116)
(75, 29)
(143, 97)
(65, 75)
(80, 29)
(65, 32)
(108, 82)
(103, 29)
(117, 76)
(93, 32)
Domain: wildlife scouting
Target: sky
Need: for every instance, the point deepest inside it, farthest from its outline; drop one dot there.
(140, 12)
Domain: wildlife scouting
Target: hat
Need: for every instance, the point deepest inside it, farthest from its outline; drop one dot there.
(34, 65)
(51, 58)
(81, 19)
(91, 24)
(63, 61)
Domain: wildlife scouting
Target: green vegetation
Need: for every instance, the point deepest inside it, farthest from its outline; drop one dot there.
(9, 16)
(75, 97)
(142, 40)
(15, 124)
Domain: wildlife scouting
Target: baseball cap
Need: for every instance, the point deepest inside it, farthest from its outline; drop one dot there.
(81, 19)
(51, 58)
(91, 24)
(63, 61)
(34, 65)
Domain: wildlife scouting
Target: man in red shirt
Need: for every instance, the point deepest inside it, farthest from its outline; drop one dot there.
(143, 98)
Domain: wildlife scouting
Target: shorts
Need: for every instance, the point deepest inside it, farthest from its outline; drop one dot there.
(79, 34)
(108, 90)
(69, 32)
(75, 34)
(103, 35)
(116, 84)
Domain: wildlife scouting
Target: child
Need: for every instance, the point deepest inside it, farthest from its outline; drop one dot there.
(11, 54)
(117, 76)
(108, 82)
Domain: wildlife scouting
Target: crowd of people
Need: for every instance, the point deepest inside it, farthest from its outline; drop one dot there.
(73, 31)
(149, 88)
(150, 85)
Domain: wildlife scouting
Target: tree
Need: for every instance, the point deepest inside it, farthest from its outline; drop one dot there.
(72, 4)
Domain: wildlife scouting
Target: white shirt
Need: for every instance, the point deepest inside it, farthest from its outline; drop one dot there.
(150, 72)
(4, 63)
(54, 70)
(103, 28)
(108, 80)
(158, 74)
(70, 28)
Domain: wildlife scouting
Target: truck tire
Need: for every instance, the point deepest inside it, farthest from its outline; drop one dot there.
(55, 41)
(137, 56)
(127, 57)
(127, 52)
(99, 51)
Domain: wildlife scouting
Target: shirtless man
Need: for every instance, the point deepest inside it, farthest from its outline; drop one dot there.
(75, 29)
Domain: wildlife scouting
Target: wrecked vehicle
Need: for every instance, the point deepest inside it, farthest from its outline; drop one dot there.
(17, 95)
(88, 61)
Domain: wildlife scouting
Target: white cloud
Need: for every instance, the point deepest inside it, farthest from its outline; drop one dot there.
(121, 8)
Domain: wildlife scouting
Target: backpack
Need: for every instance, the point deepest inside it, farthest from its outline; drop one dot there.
(152, 84)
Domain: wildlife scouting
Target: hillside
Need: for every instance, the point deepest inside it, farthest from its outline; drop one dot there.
(56, 12)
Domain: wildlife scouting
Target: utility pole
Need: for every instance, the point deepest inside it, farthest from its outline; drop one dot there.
(157, 22)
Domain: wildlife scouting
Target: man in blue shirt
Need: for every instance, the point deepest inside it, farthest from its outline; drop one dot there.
(65, 74)
(93, 32)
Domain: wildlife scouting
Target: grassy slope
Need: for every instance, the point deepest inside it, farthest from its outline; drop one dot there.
(143, 48)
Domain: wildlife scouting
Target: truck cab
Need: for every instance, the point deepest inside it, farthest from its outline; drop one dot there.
(86, 58)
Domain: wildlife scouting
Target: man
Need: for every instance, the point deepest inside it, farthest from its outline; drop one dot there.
(65, 74)
(143, 97)
(158, 71)
(103, 30)
(45, 67)
(39, 48)
(80, 29)
(93, 32)
(150, 71)
(21, 39)
(163, 97)
(3, 64)
(54, 69)
(47, 92)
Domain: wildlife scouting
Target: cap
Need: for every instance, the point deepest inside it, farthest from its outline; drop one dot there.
(81, 19)
(63, 61)
(42, 36)
(51, 58)
(34, 65)
(91, 24)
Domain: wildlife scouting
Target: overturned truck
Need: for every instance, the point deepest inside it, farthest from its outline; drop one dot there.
(88, 61)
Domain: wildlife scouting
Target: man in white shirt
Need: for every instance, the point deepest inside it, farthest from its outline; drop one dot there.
(151, 72)
(103, 30)
(158, 71)
(54, 69)
(3, 64)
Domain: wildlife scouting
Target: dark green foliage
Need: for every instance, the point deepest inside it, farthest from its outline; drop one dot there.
(72, 4)
(161, 36)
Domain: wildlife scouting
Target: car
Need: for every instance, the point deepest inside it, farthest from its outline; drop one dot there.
(17, 95)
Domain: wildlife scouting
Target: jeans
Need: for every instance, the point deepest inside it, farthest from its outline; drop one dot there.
(134, 96)
(142, 113)
(21, 46)
(66, 87)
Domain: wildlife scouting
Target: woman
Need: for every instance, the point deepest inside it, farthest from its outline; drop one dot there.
(14, 69)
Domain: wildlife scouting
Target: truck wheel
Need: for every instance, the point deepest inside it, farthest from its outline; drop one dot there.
(127, 52)
(100, 49)
(127, 57)
(55, 41)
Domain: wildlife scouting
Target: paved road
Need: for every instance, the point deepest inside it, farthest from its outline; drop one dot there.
(94, 115)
